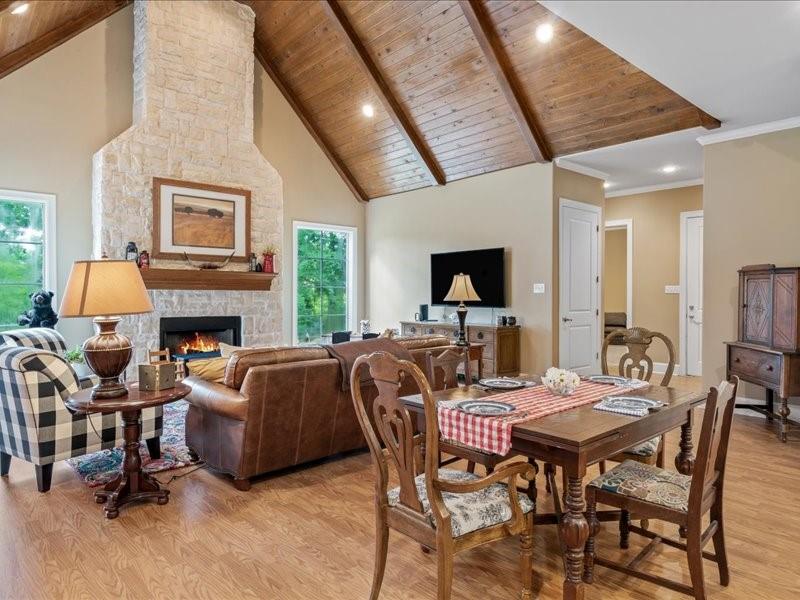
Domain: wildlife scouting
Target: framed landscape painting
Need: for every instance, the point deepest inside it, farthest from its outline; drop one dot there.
(207, 222)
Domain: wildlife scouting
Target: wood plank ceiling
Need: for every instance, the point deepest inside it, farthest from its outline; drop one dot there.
(459, 88)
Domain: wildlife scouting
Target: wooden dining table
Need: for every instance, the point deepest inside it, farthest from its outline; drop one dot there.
(578, 438)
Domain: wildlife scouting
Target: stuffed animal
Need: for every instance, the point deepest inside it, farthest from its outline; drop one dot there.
(41, 313)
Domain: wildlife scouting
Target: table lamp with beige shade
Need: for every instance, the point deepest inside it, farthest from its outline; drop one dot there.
(106, 290)
(461, 290)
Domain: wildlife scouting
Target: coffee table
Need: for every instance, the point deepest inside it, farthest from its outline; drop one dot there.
(132, 484)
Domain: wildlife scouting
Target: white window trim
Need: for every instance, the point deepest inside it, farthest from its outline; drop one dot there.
(49, 202)
(352, 248)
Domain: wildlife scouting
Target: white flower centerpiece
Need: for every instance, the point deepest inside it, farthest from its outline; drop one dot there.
(561, 381)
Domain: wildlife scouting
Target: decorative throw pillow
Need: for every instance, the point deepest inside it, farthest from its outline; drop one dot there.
(387, 333)
(210, 369)
(227, 349)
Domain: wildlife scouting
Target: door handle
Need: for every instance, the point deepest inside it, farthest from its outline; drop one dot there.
(566, 319)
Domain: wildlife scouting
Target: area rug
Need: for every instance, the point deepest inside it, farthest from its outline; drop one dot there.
(99, 468)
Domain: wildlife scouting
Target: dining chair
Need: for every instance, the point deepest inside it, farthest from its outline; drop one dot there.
(338, 337)
(684, 500)
(445, 510)
(636, 363)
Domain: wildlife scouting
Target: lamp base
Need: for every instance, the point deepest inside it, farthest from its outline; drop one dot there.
(107, 354)
(461, 311)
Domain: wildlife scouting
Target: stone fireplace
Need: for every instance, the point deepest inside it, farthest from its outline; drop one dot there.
(192, 121)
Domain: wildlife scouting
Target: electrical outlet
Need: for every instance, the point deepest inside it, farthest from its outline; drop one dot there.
(672, 289)
(538, 288)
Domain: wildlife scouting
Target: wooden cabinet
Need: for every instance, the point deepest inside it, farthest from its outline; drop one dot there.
(500, 344)
(767, 351)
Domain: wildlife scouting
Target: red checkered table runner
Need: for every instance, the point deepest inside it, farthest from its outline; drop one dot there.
(493, 434)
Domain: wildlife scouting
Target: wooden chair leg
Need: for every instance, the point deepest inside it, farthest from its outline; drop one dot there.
(44, 474)
(594, 528)
(602, 465)
(381, 550)
(719, 544)
(662, 447)
(694, 552)
(470, 466)
(526, 558)
(624, 529)
(445, 569)
(5, 464)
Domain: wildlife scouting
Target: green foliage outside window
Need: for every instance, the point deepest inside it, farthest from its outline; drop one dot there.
(322, 303)
(21, 257)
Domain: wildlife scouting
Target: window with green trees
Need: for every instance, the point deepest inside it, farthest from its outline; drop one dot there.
(22, 256)
(324, 278)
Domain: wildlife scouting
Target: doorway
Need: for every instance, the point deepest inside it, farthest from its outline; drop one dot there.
(579, 286)
(691, 293)
(617, 282)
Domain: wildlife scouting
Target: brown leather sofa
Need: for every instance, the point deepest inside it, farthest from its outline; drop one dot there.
(280, 407)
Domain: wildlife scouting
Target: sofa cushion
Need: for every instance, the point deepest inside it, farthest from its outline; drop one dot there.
(423, 341)
(242, 360)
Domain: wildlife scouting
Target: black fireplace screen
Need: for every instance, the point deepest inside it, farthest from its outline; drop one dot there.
(199, 337)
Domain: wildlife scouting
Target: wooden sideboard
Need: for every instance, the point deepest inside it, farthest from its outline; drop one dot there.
(767, 351)
(501, 344)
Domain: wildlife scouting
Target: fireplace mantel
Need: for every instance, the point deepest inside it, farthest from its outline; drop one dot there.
(185, 279)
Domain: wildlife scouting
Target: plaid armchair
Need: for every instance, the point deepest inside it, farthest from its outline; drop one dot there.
(35, 426)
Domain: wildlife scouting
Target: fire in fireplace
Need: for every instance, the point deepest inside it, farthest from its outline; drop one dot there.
(199, 337)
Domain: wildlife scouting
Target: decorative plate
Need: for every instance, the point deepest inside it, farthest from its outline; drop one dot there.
(612, 379)
(485, 408)
(631, 403)
(503, 383)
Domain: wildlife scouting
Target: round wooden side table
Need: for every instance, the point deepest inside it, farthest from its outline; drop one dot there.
(132, 484)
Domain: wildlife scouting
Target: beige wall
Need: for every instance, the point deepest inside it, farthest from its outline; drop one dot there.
(656, 255)
(581, 188)
(511, 208)
(752, 210)
(58, 110)
(615, 271)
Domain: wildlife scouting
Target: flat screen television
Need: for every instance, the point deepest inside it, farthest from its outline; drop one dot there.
(485, 268)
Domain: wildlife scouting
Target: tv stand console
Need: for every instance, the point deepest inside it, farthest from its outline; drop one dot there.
(501, 343)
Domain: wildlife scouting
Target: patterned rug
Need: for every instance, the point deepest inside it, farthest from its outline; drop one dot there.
(101, 467)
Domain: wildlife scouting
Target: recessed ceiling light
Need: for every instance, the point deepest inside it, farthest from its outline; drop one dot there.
(606, 185)
(669, 169)
(544, 33)
(22, 8)
(368, 110)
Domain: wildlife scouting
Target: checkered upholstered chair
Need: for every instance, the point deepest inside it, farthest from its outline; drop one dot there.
(35, 426)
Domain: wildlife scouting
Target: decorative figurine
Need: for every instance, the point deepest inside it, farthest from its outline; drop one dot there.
(144, 259)
(41, 314)
(253, 261)
(132, 252)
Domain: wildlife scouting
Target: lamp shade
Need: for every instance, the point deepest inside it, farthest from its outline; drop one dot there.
(104, 287)
(461, 290)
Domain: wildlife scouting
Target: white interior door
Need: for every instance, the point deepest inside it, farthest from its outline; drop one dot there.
(579, 282)
(694, 295)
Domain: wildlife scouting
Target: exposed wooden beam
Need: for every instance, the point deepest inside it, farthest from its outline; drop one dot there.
(498, 62)
(381, 88)
(326, 147)
(55, 37)
(708, 121)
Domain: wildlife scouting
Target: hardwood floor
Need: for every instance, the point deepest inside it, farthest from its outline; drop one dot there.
(308, 535)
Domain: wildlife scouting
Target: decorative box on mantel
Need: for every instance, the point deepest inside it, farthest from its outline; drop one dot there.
(209, 279)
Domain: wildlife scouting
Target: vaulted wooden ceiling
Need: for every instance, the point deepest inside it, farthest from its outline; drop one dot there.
(459, 88)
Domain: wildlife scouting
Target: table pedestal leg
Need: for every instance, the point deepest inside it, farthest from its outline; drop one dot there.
(784, 413)
(684, 462)
(574, 532)
(132, 484)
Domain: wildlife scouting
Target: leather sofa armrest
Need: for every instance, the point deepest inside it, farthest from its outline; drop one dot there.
(217, 398)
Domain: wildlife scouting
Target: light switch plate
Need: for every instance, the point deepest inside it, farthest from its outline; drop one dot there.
(538, 288)
(672, 289)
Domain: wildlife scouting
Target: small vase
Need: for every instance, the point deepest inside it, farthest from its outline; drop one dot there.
(269, 263)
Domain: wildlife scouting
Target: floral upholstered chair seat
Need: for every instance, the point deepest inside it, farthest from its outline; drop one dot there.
(470, 511)
(647, 482)
(648, 448)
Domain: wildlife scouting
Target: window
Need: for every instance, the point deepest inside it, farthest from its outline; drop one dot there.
(324, 292)
(27, 251)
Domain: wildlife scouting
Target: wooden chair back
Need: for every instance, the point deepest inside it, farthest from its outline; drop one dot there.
(712, 453)
(448, 362)
(390, 430)
(638, 341)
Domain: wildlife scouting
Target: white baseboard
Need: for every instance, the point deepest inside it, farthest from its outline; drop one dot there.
(659, 367)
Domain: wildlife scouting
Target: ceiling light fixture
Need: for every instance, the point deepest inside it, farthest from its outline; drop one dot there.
(667, 169)
(544, 33)
(606, 185)
(368, 110)
(20, 9)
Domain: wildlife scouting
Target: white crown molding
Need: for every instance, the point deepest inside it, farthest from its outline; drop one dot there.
(583, 170)
(655, 188)
(745, 132)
